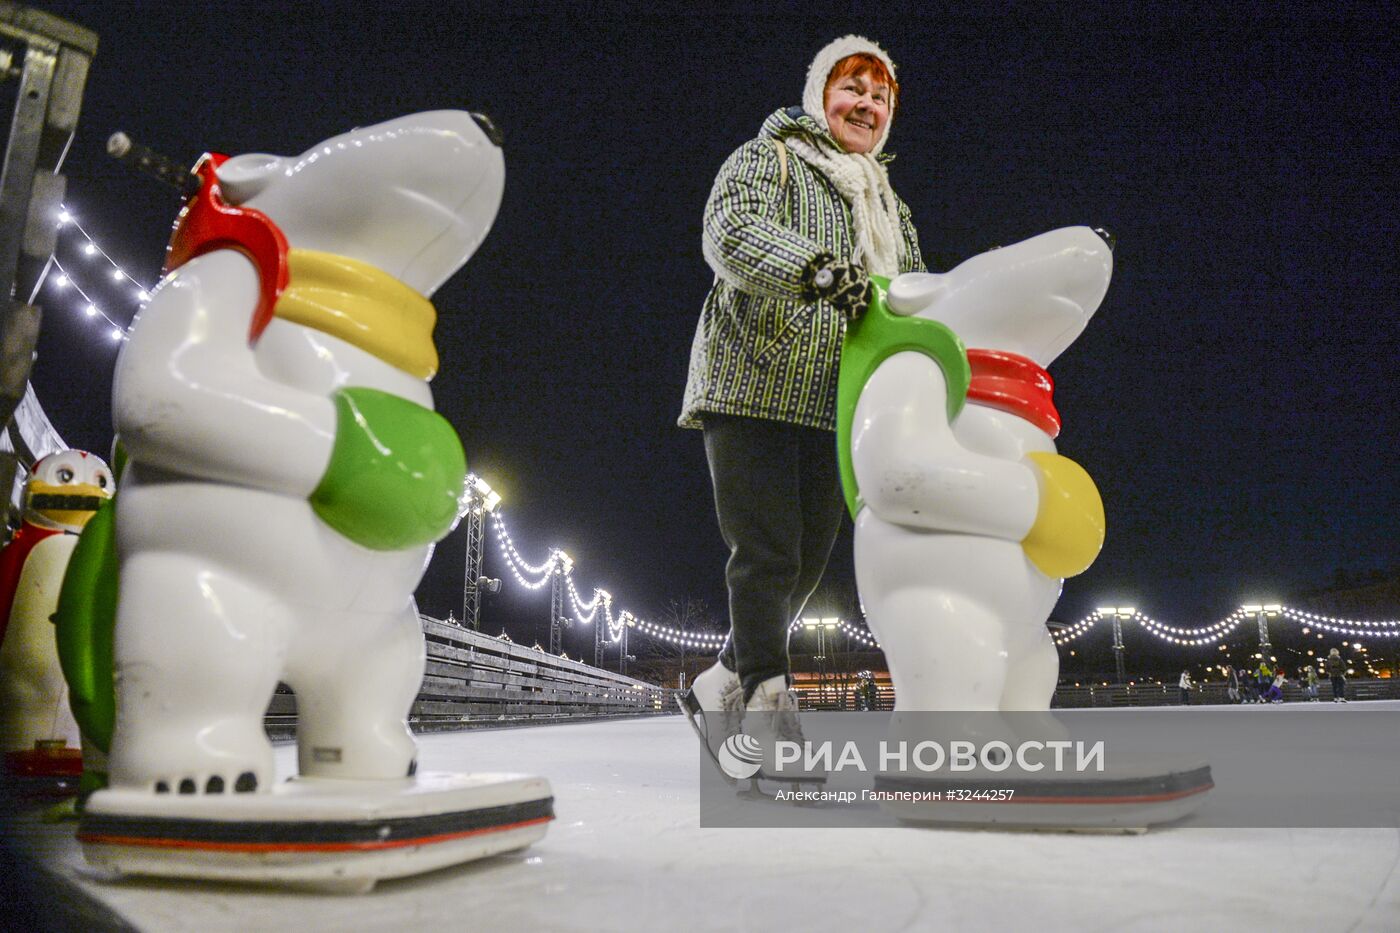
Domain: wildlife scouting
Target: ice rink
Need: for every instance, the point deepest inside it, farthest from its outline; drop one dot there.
(626, 853)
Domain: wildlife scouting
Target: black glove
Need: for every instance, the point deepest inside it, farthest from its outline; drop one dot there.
(845, 284)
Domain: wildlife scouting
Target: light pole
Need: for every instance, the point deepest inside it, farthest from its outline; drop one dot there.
(479, 501)
(1118, 614)
(563, 565)
(599, 624)
(622, 661)
(1263, 613)
(823, 626)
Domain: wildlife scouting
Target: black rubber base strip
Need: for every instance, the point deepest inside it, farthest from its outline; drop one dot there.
(384, 833)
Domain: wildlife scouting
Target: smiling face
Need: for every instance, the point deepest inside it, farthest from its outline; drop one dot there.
(857, 109)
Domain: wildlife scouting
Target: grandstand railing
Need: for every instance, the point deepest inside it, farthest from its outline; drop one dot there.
(1134, 695)
(1212, 693)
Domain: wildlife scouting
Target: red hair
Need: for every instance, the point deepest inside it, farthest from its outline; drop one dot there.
(863, 63)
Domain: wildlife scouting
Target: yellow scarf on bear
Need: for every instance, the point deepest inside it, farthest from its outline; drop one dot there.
(363, 306)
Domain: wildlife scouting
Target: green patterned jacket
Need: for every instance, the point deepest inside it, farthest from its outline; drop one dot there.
(759, 350)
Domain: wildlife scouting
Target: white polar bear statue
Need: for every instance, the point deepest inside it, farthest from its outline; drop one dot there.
(286, 481)
(966, 521)
(230, 579)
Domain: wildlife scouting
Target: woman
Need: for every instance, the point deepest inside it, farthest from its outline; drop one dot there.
(1337, 669)
(1185, 685)
(797, 220)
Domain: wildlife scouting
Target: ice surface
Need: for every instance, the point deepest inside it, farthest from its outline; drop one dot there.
(627, 853)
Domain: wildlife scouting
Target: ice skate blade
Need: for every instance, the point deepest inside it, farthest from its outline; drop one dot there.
(1080, 805)
(693, 712)
(332, 835)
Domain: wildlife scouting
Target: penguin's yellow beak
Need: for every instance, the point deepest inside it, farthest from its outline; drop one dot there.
(69, 505)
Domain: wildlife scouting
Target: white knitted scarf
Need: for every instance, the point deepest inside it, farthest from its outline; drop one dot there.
(865, 186)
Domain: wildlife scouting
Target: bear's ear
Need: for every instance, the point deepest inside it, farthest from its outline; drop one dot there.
(912, 292)
(245, 176)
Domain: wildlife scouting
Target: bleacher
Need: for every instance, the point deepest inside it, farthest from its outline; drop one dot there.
(474, 680)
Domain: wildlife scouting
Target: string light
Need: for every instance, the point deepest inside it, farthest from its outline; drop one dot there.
(581, 607)
(91, 308)
(585, 611)
(1064, 636)
(860, 635)
(518, 565)
(1216, 632)
(1207, 635)
(1389, 628)
(92, 249)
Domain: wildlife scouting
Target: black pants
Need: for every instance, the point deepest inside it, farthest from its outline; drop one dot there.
(1339, 687)
(778, 500)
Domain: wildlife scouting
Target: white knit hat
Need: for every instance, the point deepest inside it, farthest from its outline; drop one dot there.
(813, 102)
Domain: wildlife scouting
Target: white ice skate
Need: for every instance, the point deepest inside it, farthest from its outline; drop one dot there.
(714, 705)
(771, 717)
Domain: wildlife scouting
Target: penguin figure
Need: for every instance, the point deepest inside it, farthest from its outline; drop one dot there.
(37, 731)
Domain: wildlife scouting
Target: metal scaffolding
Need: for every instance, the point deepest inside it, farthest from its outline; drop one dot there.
(471, 588)
(600, 635)
(557, 619)
(48, 59)
(480, 500)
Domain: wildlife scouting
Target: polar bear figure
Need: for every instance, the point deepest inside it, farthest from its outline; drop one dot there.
(966, 525)
(273, 402)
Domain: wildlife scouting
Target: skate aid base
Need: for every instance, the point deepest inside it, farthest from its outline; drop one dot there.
(1121, 803)
(332, 835)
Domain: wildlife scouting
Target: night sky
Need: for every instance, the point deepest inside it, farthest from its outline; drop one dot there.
(1234, 397)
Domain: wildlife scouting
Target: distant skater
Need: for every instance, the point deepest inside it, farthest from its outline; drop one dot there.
(1310, 681)
(1337, 668)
